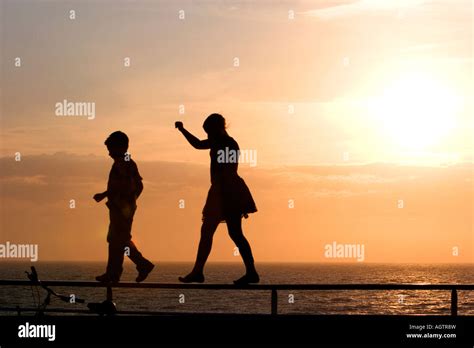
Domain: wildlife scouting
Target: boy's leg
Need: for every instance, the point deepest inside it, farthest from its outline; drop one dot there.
(115, 262)
(119, 230)
(137, 258)
(144, 266)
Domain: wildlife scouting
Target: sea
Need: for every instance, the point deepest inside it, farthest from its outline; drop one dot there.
(418, 302)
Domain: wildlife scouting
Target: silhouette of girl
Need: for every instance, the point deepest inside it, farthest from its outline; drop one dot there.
(229, 199)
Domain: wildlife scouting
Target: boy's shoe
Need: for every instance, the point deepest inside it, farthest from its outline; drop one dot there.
(105, 278)
(192, 278)
(247, 279)
(143, 273)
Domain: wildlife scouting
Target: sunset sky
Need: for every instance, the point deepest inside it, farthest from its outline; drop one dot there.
(351, 107)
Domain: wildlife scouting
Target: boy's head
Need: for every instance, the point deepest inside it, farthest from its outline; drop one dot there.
(117, 144)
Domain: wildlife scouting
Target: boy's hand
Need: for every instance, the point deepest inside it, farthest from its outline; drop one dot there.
(179, 125)
(99, 196)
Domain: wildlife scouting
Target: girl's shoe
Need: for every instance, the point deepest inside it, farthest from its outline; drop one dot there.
(192, 278)
(247, 279)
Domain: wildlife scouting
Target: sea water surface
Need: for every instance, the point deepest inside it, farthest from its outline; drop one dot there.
(436, 302)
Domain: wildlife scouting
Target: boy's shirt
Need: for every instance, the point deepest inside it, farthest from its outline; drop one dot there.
(124, 185)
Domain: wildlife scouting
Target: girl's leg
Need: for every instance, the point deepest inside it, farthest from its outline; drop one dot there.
(234, 226)
(208, 228)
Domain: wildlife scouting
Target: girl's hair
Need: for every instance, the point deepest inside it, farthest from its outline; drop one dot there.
(214, 122)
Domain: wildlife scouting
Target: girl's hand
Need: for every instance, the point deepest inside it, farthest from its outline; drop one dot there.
(179, 125)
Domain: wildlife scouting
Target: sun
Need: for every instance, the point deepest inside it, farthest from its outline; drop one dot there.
(415, 112)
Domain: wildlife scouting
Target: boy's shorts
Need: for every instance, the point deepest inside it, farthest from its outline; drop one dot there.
(121, 219)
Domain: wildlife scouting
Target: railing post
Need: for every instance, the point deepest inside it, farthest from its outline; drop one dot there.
(454, 302)
(274, 302)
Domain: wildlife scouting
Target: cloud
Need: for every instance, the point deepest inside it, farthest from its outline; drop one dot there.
(362, 7)
(25, 180)
(349, 178)
(341, 193)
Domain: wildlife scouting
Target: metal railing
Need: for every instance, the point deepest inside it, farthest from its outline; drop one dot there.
(273, 288)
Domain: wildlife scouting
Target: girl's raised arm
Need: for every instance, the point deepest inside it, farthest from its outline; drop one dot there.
(195, 142)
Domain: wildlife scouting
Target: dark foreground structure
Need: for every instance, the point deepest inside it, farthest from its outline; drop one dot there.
(272, 288)
(103, 324)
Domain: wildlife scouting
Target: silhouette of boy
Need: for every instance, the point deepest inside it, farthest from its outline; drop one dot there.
(123, 189)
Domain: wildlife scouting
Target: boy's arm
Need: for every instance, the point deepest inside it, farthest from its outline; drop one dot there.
(100, 196)
(126, 181)
(139, 188)
(138, 181)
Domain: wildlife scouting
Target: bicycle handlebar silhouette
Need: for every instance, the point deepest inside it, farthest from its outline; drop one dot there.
(106, 307)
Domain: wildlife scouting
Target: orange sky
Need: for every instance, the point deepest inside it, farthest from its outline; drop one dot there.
(350, 106)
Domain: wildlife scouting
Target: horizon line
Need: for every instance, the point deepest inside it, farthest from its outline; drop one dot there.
(264, 262)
